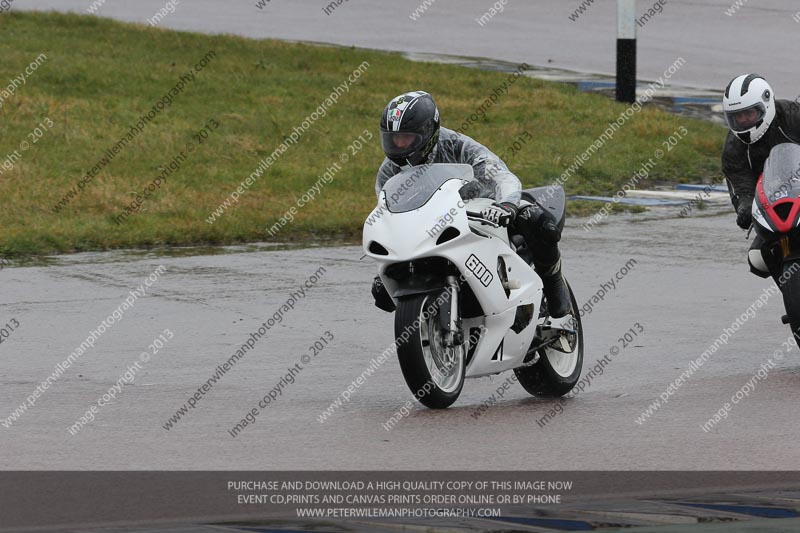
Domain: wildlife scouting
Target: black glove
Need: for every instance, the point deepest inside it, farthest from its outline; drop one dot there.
(501, 214)
(382, 299)
(744, 213)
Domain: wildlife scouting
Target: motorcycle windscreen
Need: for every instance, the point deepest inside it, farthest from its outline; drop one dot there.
(782, 173)
(414, 186)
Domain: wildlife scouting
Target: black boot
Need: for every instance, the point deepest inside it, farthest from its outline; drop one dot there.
(555, 289)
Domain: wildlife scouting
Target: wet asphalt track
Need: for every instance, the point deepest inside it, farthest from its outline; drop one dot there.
(689, 282)
(716, 46)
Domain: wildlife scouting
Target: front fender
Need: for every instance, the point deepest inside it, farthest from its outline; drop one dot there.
(419, 285)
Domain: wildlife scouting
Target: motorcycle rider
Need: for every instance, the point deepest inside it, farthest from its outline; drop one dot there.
(757, 122)
(411, 135)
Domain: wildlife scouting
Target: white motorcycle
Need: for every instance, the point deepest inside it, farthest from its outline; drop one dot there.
(469, 304)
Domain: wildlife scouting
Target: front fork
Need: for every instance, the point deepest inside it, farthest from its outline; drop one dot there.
(775, 254)
(786, 250)
(449, 318)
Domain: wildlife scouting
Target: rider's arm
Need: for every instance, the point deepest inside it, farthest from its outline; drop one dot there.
(736, 167)
(791, 114)
(491, 170)
(387, 170)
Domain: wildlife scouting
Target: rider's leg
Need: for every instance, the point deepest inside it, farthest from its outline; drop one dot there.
(542, 234)
(762, 262)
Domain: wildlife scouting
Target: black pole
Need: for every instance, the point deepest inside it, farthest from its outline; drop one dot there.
(626, 51)
(626, 70)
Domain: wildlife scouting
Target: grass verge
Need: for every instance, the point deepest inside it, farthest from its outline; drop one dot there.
(101, 76)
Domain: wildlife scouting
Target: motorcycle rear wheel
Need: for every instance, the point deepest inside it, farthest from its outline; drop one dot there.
(556, 373)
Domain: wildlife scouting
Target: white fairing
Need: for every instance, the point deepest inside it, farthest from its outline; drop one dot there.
(758, 216)
(407, 237)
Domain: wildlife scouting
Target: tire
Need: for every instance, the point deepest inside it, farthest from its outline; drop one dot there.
(790, 288)
(419, 354)
(548, 380)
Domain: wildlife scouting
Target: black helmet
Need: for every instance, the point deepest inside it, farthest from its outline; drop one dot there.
(410, 128)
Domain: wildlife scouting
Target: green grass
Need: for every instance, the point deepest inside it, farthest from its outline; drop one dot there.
(100, 76)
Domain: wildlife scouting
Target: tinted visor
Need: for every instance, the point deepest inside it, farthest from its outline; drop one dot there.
(747, 118)
(400, 144)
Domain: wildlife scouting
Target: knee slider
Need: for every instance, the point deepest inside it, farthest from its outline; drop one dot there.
(540, 224)
(757, 264)
(550, 231)
(546, 227)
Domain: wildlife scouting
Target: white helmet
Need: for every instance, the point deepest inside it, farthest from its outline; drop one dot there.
(749, 107)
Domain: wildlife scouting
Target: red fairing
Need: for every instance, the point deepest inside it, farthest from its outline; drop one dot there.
(783, 226)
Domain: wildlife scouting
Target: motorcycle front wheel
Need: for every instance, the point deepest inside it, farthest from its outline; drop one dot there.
(790, 287)
(433, 372)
